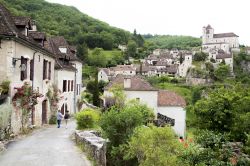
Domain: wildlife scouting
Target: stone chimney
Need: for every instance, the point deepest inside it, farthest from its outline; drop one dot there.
(127, 82)
(33, 25)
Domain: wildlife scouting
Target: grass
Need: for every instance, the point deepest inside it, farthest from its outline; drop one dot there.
(185, 92)
(109, 54)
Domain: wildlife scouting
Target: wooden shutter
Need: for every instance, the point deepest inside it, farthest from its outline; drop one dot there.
(64, 85)
(44, 69)
(49, 71)
(68, 85)
(31, 69)
(72, 85)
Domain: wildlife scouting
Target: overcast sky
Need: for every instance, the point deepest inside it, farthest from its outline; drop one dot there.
(173, 17)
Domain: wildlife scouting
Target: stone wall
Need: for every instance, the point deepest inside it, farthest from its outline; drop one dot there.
(93, 145)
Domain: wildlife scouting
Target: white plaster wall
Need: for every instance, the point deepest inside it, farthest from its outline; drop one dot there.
(11, 49)
(177, 113)
(68, 97)
(102, 76)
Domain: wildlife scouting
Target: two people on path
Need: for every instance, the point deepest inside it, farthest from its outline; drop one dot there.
(60, 117)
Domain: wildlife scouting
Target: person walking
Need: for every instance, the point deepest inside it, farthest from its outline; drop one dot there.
(59, 119)
(66, 117)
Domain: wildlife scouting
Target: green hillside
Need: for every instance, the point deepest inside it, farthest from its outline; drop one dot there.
(168, 41)
(76, 27)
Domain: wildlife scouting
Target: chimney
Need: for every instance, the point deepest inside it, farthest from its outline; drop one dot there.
(33, 25)
(127, 82)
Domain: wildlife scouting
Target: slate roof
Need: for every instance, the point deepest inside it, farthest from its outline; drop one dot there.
(54, 43)
(37, 35)
(168, 98)
(21, 20)
(223, 56)
(7, 26)
(137, 84)
(221, 35)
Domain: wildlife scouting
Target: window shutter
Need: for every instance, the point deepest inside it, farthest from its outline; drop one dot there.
(31, 69)
(68, 85)
(72, 85)
(64, 85)
(49, 70)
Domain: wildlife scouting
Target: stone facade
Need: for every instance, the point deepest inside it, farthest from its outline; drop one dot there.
(225, 41)
(93, 145)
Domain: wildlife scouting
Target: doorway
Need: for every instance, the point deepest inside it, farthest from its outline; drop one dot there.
(44, 112)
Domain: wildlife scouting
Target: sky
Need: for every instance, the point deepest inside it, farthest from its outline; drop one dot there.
(170, 17)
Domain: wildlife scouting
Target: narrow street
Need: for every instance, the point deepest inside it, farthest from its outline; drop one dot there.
(45, 147)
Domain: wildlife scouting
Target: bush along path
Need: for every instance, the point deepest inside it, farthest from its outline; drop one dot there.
(48, 146)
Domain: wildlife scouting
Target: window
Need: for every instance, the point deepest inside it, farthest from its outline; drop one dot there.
(72, 85)
(45, 76)
(49, 71)
(64, 85)
(68, 85)
(23, 68)
(31, 69)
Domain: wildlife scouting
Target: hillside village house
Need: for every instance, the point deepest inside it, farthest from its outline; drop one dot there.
(68, 72)
(24, 59)
(225, 41)
(165, 103)
(107, 74)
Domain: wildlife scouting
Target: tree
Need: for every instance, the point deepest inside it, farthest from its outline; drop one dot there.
(200, 56)
(97, 58)
(154, 146)
(132, 48)
(118, 124)
(222, 72)
(82, 52)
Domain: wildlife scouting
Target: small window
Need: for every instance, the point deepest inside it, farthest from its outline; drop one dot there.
(24, 63)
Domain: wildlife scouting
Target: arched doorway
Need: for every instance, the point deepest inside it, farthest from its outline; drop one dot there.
(44, 112)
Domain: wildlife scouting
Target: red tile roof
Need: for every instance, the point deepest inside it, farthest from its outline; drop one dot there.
(137, 83)
(168, 98)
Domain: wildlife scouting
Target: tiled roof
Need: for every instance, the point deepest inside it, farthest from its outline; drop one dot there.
(8, 29)
(21, 20)
(208, 26)
(123, 68)
(60, 65)
(168, 98)
(7, 26)
(221, 35)
(223, 56)
(137, 84)
(37, 35)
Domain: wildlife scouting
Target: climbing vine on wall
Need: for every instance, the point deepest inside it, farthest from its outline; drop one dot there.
(25, 99)
(54, 96)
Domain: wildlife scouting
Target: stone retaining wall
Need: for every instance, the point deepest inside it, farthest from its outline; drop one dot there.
(93, 145)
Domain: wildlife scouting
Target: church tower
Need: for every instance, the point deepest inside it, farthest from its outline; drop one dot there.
(207, 34)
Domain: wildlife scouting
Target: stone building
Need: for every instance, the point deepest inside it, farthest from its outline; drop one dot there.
(68, 73)
(23, 58)
(26, 58)
(225, 41)
(166, 103)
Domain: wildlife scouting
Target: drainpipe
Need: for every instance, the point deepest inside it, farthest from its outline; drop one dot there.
(33, 74)
(75, 90)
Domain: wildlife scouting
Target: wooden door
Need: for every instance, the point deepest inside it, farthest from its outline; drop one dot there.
(44, 112)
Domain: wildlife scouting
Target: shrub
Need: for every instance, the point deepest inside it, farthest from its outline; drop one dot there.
(5, 87)
(52, 119)
(87, 118)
